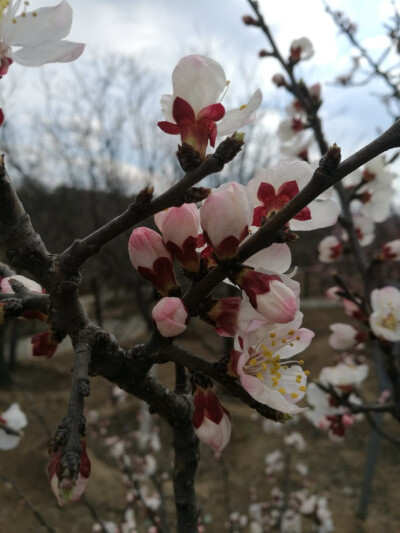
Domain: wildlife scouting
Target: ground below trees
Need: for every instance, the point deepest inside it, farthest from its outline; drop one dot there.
(335, 470)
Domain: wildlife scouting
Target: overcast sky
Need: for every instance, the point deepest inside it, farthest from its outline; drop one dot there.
(159, 32)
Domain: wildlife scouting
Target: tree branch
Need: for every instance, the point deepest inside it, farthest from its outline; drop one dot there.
(81, 250)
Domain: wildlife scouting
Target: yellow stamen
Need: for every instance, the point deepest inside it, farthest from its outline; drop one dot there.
(294, 395)
(298, 338)
(242, 107)
(260, 376)
(301, 362)
(282, 390)
(272, 335)
(389, 322)
(284, 341)
(307, 372)
(303, 388)
(3, 6)
(290, 332)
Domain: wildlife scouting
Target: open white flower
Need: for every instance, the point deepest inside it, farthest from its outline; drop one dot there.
(38, 35)
(385, 318)
(11, 422)
(194, 108)
(343, 375)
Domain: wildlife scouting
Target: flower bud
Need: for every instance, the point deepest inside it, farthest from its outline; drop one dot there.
(180, 227)
(223, 314)
(68, 474)
(279, 80)
(268, 295)
(249, 20)
(332, 293)
(170, 316)
(152, 260)
(211, 421)
(44, 344)
(225, 217)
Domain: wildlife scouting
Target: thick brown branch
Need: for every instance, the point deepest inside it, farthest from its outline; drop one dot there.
(23, 245)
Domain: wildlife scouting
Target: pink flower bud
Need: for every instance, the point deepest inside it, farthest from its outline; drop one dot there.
(225, 217)
(315, 91)
(170, 316)
(348, 420)
(211, 421)
(268, 295)
(67, 483)
(44, 344)
(180, 227)
(352, 309)
(332, 294)
(279, 80)
(152, 260)
(249, 20)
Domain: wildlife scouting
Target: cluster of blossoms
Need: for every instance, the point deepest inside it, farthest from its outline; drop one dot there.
(293, 131)
(328, 411)
(264, 319)
(291, 510)
(135, 454)
(368, 194)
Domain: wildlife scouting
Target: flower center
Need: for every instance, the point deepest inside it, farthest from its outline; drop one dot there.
(389, 322)
(266, 366)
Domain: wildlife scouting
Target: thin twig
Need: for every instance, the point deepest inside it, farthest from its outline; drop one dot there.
(34, 510)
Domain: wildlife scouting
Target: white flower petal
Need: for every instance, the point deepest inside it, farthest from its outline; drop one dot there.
(199, 80)
(54, 52)
(167, 101)
(237, 118)
(276, 257)
(323, 214)
(49, 24)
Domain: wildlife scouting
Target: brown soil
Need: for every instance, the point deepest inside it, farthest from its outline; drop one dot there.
(336, 471)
